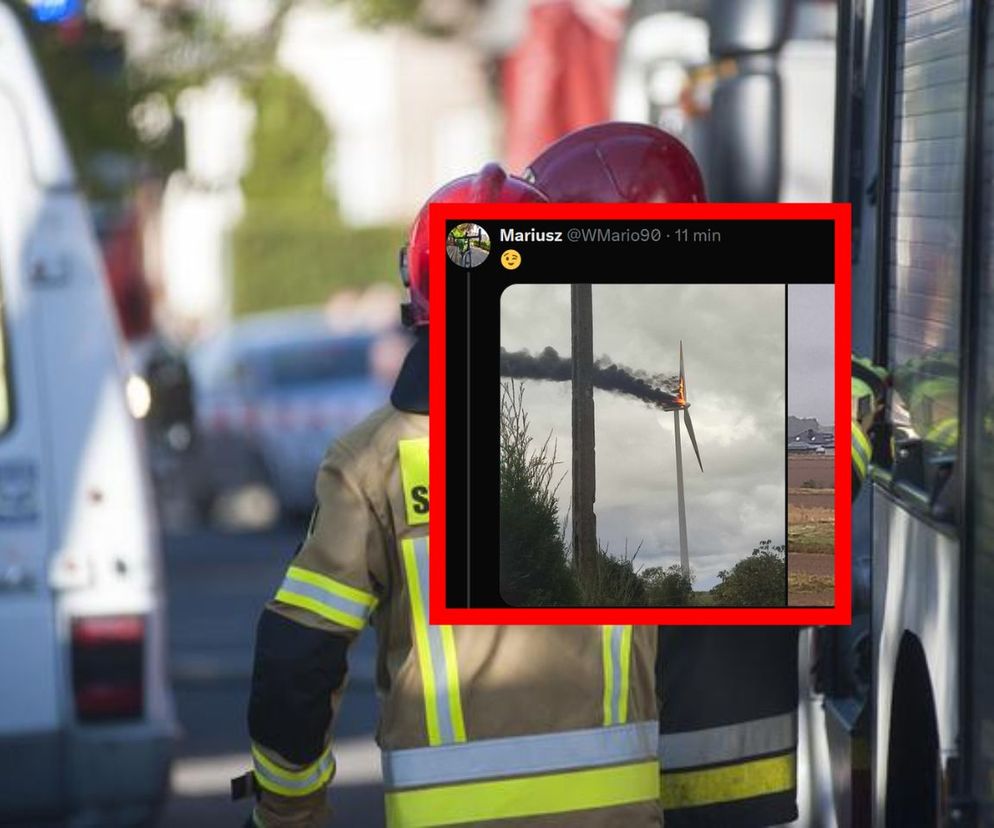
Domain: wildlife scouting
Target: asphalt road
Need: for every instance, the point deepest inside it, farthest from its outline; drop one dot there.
(217, 584)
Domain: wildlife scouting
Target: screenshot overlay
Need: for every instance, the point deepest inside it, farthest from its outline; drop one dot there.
(634, 412)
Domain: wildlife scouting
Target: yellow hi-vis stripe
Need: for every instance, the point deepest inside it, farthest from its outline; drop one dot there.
(861, 450)
(414, 475)
(452, 683)
(743, 780)
(608, 671)
(626, 662)
(331, 599)
(421, 642)
(553, 793)
(293, 782)
(616, 653)
(435, 646)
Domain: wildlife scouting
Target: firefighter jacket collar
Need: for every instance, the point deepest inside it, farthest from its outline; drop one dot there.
(410, 392)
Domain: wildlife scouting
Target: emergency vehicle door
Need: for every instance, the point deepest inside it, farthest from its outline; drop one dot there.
(29, 659)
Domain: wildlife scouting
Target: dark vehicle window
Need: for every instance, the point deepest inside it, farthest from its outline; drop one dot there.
(318, 363)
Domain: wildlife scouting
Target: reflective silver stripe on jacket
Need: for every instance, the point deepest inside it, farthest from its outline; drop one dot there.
(294, 782)
(436, 648)
(520, 755)
(714, 745)
(616, 674)
(439, 657)
(346, 606)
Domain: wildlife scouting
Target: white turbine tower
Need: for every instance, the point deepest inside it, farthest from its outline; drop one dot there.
(683, 405)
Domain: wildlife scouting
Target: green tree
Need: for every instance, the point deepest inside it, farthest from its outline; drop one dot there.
(534, 570)
(758, 581)
(92, 94)
(291, 246)
(667, 587)
(94, 88)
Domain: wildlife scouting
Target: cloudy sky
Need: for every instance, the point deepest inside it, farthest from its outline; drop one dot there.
(811, 334)
(734, 350)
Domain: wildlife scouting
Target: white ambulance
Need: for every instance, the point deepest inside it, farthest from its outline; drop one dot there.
(86, 715)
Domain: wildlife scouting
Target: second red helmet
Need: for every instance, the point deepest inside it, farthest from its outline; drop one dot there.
(490, 185)
(617, 162)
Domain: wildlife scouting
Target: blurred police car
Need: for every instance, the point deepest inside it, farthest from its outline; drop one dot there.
(272, 391)
(86, 715)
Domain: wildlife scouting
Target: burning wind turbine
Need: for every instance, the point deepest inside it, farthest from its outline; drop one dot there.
(681, 404)
(665, 392)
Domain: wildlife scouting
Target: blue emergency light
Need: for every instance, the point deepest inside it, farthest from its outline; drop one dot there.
(54, 11)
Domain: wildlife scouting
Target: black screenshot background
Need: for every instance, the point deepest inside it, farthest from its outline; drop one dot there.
(687, 252)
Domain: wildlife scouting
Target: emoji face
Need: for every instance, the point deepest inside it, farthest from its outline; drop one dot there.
(510, 259)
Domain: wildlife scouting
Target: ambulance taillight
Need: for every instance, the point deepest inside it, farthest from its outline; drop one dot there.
(107, 675)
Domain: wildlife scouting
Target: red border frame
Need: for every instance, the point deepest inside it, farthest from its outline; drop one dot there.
(840, 613)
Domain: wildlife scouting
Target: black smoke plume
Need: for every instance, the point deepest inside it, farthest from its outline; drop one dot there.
(654, 389)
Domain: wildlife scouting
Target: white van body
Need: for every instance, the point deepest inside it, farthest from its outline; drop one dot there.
(78, 538)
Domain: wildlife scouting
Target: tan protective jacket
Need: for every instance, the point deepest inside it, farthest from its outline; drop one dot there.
(480, 725)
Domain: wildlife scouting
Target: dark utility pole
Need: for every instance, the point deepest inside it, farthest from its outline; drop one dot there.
(584, 522)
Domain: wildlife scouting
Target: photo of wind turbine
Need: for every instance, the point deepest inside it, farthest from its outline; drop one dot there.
(722, 544)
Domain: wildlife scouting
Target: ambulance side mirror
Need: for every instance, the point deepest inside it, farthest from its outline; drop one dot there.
(171, 388)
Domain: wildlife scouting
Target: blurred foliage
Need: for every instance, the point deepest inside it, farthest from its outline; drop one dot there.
(196, 46)
(94, 90)
(84, 72)
(757, 581)
(289, 144)
(291, 246)
(379, 12)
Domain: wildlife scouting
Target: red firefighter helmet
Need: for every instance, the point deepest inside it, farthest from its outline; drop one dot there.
(490, 185)
(617, 161)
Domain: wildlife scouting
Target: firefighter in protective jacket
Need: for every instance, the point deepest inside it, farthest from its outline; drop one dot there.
(728, 695)
(480, 725)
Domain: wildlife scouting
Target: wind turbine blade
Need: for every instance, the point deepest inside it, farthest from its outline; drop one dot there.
(683, 379)
(693, 439)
